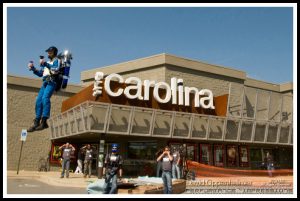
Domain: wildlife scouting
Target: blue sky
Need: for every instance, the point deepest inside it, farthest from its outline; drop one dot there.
(256, 40)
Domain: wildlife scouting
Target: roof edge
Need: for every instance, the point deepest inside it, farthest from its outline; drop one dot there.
(36, 83)
(162, 59)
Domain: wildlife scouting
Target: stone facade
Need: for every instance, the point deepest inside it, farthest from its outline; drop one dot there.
(20, 115)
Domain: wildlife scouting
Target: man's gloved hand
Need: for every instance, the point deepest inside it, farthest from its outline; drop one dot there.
(30, 66)
(42, 61)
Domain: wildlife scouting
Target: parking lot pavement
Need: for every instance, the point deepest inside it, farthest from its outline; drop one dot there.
(50, 182)
(32, 186)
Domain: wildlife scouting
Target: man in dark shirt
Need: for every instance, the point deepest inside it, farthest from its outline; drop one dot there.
(112, 166)
(270, 164)
(166, 158)
(88, 159)
(67, 149)
(175, 164)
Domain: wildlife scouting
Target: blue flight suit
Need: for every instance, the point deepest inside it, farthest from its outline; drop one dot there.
(43, 104)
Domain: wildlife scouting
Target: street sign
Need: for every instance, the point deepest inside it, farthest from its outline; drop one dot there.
(23, 135)
(23, 139)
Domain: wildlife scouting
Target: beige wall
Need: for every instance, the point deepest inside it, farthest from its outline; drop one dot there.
(203, 80)
(20, 115)
(156, 73)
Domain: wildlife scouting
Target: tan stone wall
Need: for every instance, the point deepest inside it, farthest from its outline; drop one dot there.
(153, 73)
(157, 74)
(20, 114)
(202, 80)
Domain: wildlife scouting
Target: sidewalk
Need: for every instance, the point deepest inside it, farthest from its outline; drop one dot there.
(53, 178)
(77, 180)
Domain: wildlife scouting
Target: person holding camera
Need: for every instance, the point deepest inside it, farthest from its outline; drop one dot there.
(67, 149)
(112, 166)
(88, 159)
(48, 71)
(166, 158)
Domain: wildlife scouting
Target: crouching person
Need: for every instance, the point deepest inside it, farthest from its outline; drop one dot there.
(112, 166)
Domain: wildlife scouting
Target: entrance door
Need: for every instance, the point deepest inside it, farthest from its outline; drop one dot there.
(205, 154)
(95, 159)
(219, 155)
(256, 158)
(191, 152)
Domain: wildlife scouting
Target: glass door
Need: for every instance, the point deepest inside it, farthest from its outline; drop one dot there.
(232, 154)
(191, 152)
(244, 156)
(95, 158)
(219, 155)
(205, 154)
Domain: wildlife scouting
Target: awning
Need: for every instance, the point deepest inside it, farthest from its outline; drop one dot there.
(97, 117)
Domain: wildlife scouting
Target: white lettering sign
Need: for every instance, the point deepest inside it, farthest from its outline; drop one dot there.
(175, 93)
(98, 80)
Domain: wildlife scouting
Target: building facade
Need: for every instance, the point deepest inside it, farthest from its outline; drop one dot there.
(257, 118)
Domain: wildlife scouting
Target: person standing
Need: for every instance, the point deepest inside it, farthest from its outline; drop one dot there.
(270, 164)
(67, 149)
(158, 165)
(79, 162)
(175, 164)
(88, 159)
(166, 158)
(112, 166)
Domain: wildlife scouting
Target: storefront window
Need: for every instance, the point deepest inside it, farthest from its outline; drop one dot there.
(256, 158)
(56, 153)
(191, 152)
(205, 154)
(231, 155)
(256, 155)
(219, 155)
(244, 156)
(142, 150)
(177, 146)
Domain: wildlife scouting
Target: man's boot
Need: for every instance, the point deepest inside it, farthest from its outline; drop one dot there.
(36, 123)
(43, 124)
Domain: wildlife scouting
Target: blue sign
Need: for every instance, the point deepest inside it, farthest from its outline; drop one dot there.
(23, 135)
